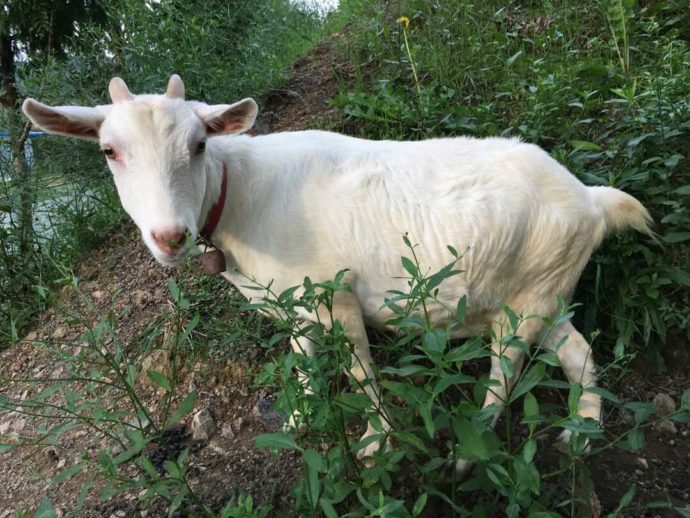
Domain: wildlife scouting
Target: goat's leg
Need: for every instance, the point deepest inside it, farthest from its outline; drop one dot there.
(301, 345)
(575, 356)
(496, 393)
(347, 311)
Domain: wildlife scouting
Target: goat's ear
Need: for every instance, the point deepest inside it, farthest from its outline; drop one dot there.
(226, 119)
(74, 121)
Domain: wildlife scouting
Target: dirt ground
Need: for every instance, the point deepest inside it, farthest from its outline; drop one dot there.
(121, 276)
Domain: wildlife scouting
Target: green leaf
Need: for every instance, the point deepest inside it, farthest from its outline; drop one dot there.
(411, 439)
(185, 407)
(159, 379)
(533, 376)
(5, 446)
(45, 510)
(549, 359)
(314, 463)
(583, 145)
(574, 398)
(506, 367)
(425, 413)
(627, 498)
(531, 410)
(512, 318)
(685, 399)
(529, 450)
(279, 440)
(461, 309)
(512, 58)
(131, 375)
(327, 508)
(353, 401)
(472, 444)
(636, 439)
(454, 379)
(605, 394)
(676, 237)
(642, 410)
(420, 504)
(174, 290)
(409, 266)
(68, 473)
(434, 340)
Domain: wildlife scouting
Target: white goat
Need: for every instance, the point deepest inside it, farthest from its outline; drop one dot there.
(311, 203)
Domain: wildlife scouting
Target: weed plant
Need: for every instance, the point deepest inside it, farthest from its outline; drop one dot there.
(433, 393)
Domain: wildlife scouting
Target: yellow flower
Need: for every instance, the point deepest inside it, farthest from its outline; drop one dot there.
(405, 21)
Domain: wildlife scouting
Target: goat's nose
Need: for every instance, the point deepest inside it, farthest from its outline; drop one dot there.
(170, 240)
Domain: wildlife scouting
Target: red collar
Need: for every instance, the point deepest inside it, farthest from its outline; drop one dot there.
(216, 211)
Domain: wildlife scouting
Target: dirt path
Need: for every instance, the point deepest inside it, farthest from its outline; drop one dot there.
(122, 278)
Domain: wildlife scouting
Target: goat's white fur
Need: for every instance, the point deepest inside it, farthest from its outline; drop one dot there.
(312, 203)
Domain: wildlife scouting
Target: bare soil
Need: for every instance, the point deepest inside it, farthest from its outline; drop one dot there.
(121, 277)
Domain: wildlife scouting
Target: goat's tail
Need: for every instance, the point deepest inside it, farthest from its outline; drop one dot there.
(621, 211)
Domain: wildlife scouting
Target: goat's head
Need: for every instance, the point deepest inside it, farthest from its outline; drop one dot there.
(155, 146)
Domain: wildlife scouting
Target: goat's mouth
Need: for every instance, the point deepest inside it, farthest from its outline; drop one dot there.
(172, 256)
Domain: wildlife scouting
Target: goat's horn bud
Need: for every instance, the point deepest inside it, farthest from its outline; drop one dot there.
(118, 91)
(175, 87)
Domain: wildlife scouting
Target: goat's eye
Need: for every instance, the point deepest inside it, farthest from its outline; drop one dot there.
(108, 152)
(200, 147)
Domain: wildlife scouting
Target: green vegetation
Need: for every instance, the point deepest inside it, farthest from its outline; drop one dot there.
(602, 85)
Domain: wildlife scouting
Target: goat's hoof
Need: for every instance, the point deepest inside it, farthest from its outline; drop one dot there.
(463, 468)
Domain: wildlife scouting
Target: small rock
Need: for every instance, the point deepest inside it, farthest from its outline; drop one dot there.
(227, 431)
(664, 404)
(97, 294)
(202, 426)
(667, 427)
(59, 333)
(140, 297)
(671, 442)
(684, 433)
(5, 427)
(237, 424)
(216, 448)
(18, 425)
(31, 336)
(638, 472)
(143, 514)
(52, 454)
(642, 462)
(61, 463)
(270, 418)
(59, 372)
